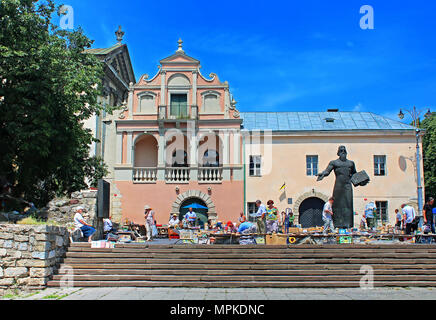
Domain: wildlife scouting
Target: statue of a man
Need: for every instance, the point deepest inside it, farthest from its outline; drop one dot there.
(343, 212)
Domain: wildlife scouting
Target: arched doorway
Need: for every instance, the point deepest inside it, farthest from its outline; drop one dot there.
(311, 212)
(195, 194)
(202, 214)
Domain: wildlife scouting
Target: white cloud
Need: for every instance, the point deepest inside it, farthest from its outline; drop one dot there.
(357, 107)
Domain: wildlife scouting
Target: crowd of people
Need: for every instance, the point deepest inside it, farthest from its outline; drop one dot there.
(267, 220)
(406, 219)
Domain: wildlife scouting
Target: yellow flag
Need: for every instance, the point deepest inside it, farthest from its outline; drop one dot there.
(283, 187)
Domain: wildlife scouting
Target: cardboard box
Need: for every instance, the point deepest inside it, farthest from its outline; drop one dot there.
(276, 239)
(294, 230)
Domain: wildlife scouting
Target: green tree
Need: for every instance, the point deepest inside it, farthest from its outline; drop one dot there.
(48, 87)
(429, 154)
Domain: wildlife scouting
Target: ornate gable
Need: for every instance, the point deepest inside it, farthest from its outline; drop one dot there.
(180, 57)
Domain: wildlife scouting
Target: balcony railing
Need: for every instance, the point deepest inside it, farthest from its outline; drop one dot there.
(174, 175)
(178, 174)
(144, 175)
(210, 175)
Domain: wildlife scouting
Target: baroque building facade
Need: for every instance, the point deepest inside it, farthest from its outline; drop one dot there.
(178, 140)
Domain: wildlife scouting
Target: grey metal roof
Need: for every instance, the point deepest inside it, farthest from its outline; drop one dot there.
(316, 121)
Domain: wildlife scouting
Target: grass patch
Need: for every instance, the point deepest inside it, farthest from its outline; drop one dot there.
(52, 296)
(55, 296)
(11, 294)
(31, 294)
(33, 221)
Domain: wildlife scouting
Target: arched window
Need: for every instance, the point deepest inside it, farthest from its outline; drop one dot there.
(211, 102)
(211, 158)
(146, 103)
(180, 158)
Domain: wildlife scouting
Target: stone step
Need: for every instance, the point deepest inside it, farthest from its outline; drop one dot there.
(271, 255)
(230, 266)
(250, 251)
(267, 272)
(153, 266)
(72, 261)
(260, 247)
(256, 278)
(237, 284)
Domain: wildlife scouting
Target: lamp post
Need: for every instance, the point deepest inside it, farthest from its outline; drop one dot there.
(415, 114)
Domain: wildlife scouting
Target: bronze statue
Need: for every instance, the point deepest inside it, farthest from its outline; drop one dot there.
(346, 174)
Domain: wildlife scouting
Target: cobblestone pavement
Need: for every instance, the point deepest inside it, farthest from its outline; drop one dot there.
(229, 294)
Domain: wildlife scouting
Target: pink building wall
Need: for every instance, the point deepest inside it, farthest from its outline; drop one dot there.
(227, 197)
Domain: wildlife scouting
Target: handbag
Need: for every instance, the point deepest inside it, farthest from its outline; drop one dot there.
(154, 231)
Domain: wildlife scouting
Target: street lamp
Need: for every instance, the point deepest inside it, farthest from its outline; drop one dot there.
(415, 114)
(401, 115)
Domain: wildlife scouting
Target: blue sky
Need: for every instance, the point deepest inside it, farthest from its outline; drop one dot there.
(285, 55)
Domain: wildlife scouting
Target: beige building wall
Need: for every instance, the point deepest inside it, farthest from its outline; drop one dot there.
(284, 161)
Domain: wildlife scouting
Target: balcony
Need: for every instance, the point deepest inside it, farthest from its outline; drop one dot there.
(210, 175)
(178, 175)
(144, 175)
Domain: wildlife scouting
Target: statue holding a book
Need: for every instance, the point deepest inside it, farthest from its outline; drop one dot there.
(346, 177)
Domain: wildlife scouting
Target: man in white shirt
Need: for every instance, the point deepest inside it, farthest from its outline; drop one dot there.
(107, 225)
(409, 215)
(81, 224)
(260, 216)
(174, 221)
(327, 216)
(191, 217)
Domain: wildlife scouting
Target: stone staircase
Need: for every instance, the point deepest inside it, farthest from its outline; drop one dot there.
(229, 266)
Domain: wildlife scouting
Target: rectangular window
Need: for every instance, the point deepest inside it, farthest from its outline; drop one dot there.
(179, 105)
(311, 165)
(255, 166)
(379, 165)
(382, 211)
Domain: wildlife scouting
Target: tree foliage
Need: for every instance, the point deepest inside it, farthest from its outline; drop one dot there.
(429, 153)
(48, 87)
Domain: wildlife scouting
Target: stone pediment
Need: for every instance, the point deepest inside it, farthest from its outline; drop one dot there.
(180, 58)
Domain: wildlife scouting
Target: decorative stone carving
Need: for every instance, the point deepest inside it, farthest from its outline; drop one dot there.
(120, 34)
(123, 110)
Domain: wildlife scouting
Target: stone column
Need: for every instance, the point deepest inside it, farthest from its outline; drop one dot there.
(119, 147)
(194, 87)
(130, 101)
(225, 137)
(129, 159)
(161, 156)
(193, 149)
(237, 147)
(162, 88)
(162, 112)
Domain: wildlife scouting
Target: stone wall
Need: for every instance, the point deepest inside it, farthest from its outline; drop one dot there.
(30, 254)
(62, 210)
